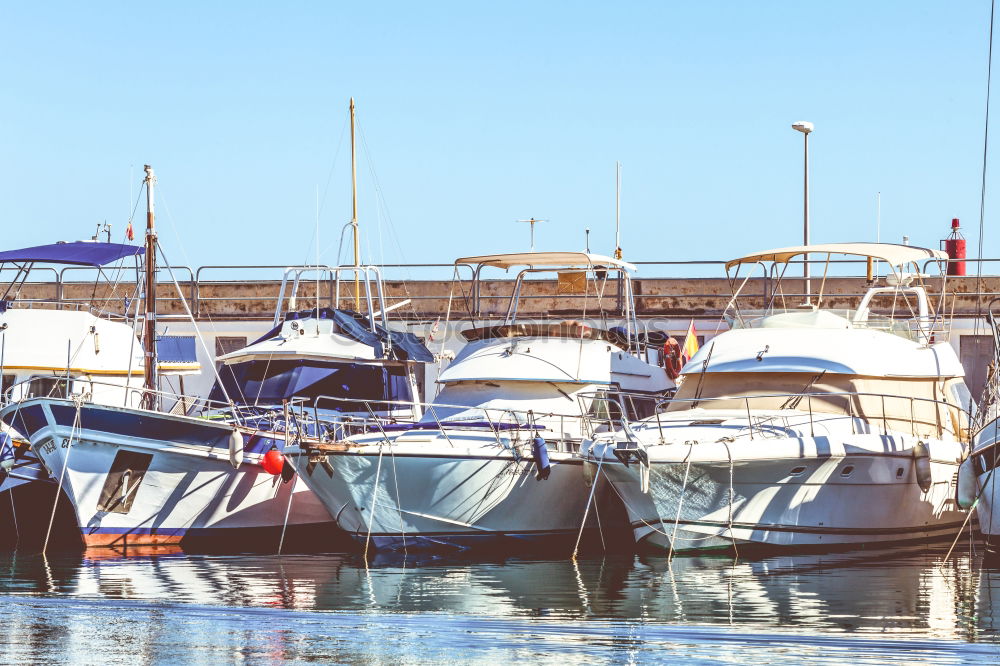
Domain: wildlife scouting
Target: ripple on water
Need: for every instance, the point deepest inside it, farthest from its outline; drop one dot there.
(859, 606)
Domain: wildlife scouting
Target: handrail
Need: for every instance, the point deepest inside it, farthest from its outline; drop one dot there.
(614, 397)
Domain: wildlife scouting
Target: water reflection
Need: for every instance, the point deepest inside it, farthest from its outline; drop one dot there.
(899, 594)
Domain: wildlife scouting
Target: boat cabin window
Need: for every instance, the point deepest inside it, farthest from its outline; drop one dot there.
(47, 387)
(225, 344)
(961, 396)
(322, 384)
(6, 381)
(608, 406)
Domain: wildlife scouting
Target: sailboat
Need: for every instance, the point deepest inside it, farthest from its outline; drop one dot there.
(214, 475)
(70, 343)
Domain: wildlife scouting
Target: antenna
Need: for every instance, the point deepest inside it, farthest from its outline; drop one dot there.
(618, 210)
(105, 227)
(878, 217)
(531, 222)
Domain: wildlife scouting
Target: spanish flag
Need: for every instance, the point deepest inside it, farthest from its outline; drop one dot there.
(690, 343)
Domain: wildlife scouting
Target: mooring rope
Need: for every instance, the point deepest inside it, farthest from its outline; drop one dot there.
(74, 429)
(586, 511)
(680, 501)
(371, 511)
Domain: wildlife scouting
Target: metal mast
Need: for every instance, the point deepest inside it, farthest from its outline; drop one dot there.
(150, 400)
(354, 216)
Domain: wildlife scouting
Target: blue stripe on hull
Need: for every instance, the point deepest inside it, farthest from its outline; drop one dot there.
(139, 424)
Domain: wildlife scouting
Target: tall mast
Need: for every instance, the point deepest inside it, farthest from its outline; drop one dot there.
(354, 216)
(149, 327)
(618, 210)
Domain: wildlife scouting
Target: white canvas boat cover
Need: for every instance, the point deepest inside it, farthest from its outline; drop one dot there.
(561, 259)
(891, 253)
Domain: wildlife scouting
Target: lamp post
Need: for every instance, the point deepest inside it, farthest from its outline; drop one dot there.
(805, 128)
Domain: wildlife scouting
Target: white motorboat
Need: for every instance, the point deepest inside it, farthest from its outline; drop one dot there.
(79, 338)
(492, 461)
(804, 426)
(212, 474)
(978, 482)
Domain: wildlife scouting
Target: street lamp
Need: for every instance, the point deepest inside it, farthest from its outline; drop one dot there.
(805, 128)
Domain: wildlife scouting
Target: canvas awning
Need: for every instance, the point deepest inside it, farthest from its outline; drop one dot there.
(78, 253)
(551, 259)
(891, 253)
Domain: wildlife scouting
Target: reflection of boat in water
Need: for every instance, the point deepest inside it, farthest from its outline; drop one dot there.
(901, 592)
(805, 426)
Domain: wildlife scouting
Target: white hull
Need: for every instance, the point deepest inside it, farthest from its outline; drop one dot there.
(419, 496)
(984, 492)
(189, 489)
(819, 492)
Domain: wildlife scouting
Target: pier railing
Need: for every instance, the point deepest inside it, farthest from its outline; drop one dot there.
(202, 285)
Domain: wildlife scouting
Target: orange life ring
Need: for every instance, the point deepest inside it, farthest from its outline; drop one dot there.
(672, 362)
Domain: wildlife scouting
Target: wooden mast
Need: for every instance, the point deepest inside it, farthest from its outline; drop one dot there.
(150, 400)
(354, 216)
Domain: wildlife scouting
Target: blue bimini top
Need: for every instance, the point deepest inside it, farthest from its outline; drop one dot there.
(78, 253)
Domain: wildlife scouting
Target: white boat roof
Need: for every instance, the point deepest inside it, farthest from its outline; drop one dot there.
(566, 259)
(891, 253)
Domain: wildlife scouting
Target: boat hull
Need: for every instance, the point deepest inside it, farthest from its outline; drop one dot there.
(139, 478)
(405, 499)
(820, 494)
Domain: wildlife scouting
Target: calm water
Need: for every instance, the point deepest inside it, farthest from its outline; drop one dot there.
(899, 606)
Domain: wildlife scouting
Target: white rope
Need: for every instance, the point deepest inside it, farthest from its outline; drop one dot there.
(288, 510)
(680, 501)
(586, 511)
(399, 509)
(732, 494)
(197, 329)
(371, 511)
(78, 401)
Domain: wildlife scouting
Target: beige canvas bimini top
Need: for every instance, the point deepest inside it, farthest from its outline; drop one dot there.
(563, 259)
(891, 253)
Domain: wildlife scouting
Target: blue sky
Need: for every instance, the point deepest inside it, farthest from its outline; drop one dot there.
(477, 114)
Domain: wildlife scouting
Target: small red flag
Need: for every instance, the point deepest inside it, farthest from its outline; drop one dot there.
(129, 234)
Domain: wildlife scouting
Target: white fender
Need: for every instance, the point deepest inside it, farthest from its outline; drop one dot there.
(967, 489)
(236, 448)
(922, 466)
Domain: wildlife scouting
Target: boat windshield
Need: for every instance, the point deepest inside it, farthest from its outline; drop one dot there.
(906, 404)
(269, 382)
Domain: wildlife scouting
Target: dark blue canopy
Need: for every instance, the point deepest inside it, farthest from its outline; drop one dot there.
(78, 253)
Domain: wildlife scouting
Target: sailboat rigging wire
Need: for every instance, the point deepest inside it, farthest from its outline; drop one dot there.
(982, 189)
(211, 356)
(197, 330)
(382, 208)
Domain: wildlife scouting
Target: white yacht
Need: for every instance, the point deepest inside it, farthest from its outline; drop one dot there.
(803, 425)
(56, 340)
(978, 483)
(492, 461)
